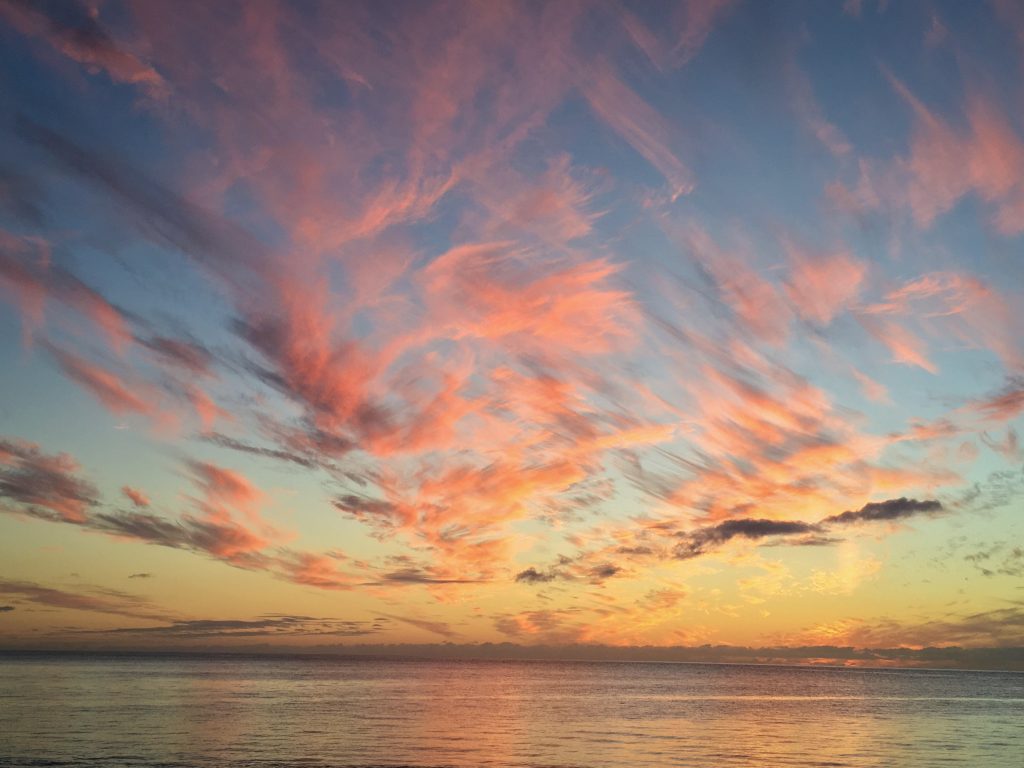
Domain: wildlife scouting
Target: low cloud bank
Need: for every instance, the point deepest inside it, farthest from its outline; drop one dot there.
(952, 657)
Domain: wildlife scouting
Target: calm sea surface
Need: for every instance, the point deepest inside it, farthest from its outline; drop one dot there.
(235, 712)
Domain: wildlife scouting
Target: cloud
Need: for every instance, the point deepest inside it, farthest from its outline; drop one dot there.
(904, 345)
(999, 559)
(271, 626)
(101, 383)
(223, 486)
(547, 626)
(6, 608)
(314, 569)
(188, 356)
(821, 286)
(28, 272)
(477, 338)
(945, 304)
(1008, 447)
(44, 485)
(96, 600)
(893, 509)
(140, 576)
(677, 41)
(640, 125)
(811, 540)
(135, 496)
(229, 252)
(702, 540)
(604, 571)
(986, 629)
(226, 441)
(418, 576)
(532, 576)
(946, 163)
(20, 196)
(73, 30)
(226, 523)
(441, 628)
(368, 509)
(1003, 406)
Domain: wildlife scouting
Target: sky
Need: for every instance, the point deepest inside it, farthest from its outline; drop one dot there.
(546, 323)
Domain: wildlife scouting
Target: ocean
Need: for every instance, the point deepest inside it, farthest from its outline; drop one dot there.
(243, 712)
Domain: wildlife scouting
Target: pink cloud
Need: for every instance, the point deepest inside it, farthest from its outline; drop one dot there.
(102, 384)
(32, 479)
(640, 125)
(945, 164)
(687, 29)
(903, 345)
(26, 271)
(135, 496)
(821, 287)
(86, 43)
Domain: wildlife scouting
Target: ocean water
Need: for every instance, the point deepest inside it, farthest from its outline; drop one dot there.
(232, 712)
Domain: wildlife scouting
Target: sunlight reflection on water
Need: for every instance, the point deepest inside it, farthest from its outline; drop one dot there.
(220, 711)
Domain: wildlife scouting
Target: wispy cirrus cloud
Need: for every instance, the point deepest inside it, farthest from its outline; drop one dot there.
(500, 292)
(70, 29)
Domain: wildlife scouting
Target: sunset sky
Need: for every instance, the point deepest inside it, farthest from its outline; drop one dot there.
(544, 323)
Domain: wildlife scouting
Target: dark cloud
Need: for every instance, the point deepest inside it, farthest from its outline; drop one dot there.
(1000, 559)
(420, 576)
(142, 525)
(702, 540)
(97, 600)
(27, 269)
(140, 576)
(639, 550)
(224, 441)
(441, 628)
(6, 608)
(186, 355)
(224, 540)
(604, 571)
(569, 569)
(811, 540)
(227, 250)
(276, 626)
(532, 576)
(20, 196)
(997, 627)
(307, 440)
(364, 507)
(893, 509)
(44, 485)
(284, 346)
(975, 657)
(1008, 447)
(72, 29)
(1006, 404)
